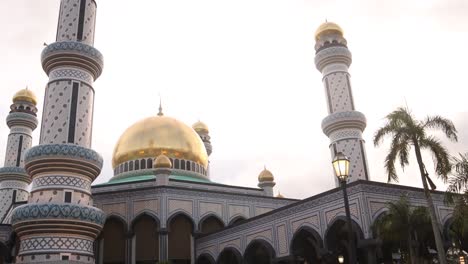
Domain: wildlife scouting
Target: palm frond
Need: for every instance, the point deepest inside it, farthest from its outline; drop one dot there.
(444, 124)
(399, 148)
(440, 155)
(458, 182)
(382, 132)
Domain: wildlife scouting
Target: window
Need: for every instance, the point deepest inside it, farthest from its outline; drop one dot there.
(137, 164)
(188, 165)
(68, 197)
(182, 162)
(143, 164)
(149, 164)
(126, 167)
(177, 164)
(130, 166)
(65, 256)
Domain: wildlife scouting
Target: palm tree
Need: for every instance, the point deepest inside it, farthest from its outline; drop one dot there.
(401, 227)
(406, 131)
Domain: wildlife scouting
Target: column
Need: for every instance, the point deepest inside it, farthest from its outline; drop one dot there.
(163, 244)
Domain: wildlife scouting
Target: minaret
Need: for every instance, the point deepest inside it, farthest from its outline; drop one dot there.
(22, 121)
(59, 224)
(204, 133)
(266, 181)
(343, 125)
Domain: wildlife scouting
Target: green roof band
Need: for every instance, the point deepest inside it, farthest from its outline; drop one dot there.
(151, 176)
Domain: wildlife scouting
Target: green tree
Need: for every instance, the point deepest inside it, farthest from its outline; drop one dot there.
(407, 132)
(405, 228)
(458, 184)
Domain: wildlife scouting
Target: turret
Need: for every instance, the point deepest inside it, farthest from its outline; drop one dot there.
(266, 181)
(22, 121)
(343, 125)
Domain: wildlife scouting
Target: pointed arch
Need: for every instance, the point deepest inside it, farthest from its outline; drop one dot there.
(180, 227)
(229, 255)
(210, 223)
(112, 239)
(259, 251)
(306, 244)
(145, 228)
(205, 258)
(143, 214)
(237, 219)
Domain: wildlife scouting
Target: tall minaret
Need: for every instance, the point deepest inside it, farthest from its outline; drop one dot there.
(343, 125)
(22, 121)
(59, 224)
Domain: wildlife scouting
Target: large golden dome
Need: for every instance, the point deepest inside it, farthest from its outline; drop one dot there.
(25, 95)
(157, 135)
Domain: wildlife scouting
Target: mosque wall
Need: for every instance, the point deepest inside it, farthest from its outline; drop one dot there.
(318, 214)
(166, 202)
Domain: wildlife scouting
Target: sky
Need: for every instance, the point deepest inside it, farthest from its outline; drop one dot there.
(246, 68)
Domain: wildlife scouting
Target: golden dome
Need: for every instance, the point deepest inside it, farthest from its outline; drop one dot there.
(159, 135)
(162, 161)
(328, 27)
(279, 195)
(200, 127)
(25, 95)
(265, 175)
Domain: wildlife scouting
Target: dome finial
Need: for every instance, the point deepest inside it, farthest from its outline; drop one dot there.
(160, 113)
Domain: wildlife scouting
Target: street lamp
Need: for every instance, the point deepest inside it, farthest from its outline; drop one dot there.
(340, 259)
(341, 167)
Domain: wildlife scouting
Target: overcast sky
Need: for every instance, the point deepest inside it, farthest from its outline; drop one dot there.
(246, 68)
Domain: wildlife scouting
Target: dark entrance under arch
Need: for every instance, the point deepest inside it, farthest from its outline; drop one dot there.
(259, 252)
(205, 259)
(113, 239)
(229, 256)
(211, 224)
(336, 239)
(146, 238)
(306, 246)
(180, 239)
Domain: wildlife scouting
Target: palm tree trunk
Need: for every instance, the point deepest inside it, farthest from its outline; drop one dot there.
(430, 205)
(412, 255)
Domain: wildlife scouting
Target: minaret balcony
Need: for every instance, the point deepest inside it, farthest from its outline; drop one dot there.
(74, 159)
(71, 53)
(344, 120)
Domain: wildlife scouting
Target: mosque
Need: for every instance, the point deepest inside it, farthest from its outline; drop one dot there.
(160, 206)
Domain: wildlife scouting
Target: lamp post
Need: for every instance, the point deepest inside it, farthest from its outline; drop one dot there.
(341, 168)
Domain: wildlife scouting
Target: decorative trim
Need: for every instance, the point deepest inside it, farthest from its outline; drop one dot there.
(53, 181)
(30, 212)
(56, 244)
(67, 150)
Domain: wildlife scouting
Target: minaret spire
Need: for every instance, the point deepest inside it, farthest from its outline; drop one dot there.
(343, 125)
(160, 113)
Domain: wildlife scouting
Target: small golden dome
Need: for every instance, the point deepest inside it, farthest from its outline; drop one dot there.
(200, 127)
(162, 161)
(279, 195)
(265, 176)
(25, 95)
(159, 135)
(328, 27)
